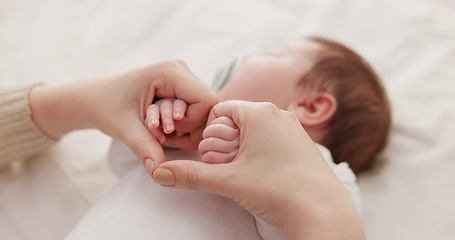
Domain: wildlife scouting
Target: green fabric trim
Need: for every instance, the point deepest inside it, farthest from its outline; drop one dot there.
(224, 74)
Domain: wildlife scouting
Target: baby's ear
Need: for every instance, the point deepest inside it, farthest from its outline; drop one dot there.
(314, 109)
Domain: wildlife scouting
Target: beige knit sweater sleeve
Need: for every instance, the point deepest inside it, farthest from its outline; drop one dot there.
(20, 138)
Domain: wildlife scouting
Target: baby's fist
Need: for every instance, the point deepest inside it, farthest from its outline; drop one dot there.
(220, 142)
(167, 110)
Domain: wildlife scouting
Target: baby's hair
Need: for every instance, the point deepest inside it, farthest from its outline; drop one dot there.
(359, 129)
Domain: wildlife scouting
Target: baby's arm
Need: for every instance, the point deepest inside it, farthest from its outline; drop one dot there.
(220, 142)
(168, 110)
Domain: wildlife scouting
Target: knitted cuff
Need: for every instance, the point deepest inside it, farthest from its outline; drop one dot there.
(20, 138)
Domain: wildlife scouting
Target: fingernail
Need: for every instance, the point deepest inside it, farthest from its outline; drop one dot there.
(153, 120)
(177, 114)
(168, 127)
(149, 165)
(164, 177)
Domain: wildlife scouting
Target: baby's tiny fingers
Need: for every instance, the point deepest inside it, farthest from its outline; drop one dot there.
(153, 116)
(221, 131)
(217, 145)
(217, 157)
(158, 134)
(166, 117)
(180, 107)
(224, 120)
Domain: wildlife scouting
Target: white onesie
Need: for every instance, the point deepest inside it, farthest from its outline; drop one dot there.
(137, 208)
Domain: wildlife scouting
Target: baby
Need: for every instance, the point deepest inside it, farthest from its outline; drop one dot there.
(334, 93)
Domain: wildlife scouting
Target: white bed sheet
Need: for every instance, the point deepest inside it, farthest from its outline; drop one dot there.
(410, 43)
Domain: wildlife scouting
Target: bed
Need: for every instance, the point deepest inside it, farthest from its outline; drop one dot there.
(408, 195)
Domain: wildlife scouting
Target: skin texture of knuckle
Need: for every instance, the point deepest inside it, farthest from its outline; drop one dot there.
(268, 106)
(192, 178)
(140, 148)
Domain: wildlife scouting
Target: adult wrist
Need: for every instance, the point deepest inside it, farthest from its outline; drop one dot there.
(335, 218)
(56, 109)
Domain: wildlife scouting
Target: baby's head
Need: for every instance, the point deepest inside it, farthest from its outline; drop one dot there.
(335, 94)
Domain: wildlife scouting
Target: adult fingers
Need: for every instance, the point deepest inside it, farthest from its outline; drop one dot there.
(192, 175)
(179, 82)
(143, 144)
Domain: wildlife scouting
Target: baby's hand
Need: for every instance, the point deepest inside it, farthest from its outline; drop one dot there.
(220, 142)
(168, 110)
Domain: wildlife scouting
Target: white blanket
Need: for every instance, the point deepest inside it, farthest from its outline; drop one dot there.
(410, 43)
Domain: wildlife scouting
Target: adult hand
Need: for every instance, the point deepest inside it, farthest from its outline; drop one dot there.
(278, 175)
(117, 106)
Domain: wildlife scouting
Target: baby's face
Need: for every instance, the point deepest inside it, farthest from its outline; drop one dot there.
(271, 77)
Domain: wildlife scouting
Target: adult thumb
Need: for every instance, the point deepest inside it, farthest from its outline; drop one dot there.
(143, 144)
(190, 174)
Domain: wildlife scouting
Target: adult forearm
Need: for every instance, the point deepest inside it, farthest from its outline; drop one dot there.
(116, 105)
(59, 109)
(330, 217)
(329, 229)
